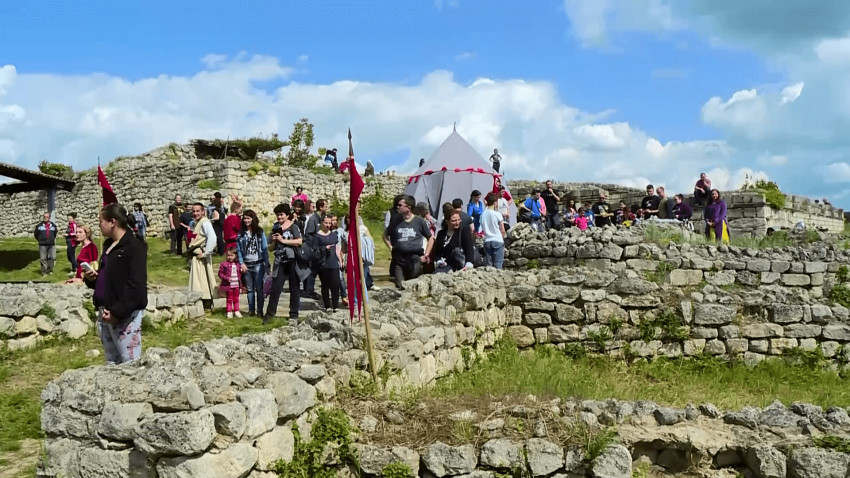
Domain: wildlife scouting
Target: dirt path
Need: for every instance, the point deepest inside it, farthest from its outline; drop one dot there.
(21, 463)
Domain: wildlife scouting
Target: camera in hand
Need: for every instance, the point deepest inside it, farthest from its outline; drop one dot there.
(276, 229)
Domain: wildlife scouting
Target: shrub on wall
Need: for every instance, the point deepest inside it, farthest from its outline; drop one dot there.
(209, 184)
(772, 195)
(56, 169)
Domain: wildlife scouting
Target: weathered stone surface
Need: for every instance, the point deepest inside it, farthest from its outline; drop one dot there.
(522, 335)
(668, 416)
(118, 421)
(260, 411)
(278, 444)
(234, 462)
(230, 419)
(614, 462)
(713, 314)
(183, 433)
(502, 453)
(373, 459)
(312, 373)
(786, 314)
(766, 461)
(817, 463)
(837, 332)
(97, 463)
(444, 460)
(684, 277)
(564, 333)
(293, 395)
(544, 457)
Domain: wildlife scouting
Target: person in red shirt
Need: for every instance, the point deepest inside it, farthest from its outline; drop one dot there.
(232, 225)
(702, 190)
(88, 253)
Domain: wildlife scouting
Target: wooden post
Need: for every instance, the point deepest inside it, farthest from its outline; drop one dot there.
(355, 227)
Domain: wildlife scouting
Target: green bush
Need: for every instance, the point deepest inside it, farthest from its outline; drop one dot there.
(840, 293)
(330, 428)
(775, 199)
(55, 169)
(209, 184)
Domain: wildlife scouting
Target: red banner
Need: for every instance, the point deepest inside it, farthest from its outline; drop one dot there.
(108, 195)
(352, 266)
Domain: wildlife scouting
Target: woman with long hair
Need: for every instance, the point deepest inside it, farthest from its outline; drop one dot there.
(252, 250)
(475, 209)
(120, 287)
(88, 253)
(328, 240)
(716, 227)
(285, 239)
(454, 248)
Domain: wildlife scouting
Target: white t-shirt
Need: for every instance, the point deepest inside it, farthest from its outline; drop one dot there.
(490, 221)
(504, 207)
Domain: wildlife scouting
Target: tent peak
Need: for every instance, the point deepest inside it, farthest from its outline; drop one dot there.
(454, 128)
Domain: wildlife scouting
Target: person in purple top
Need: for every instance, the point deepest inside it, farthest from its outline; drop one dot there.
(716, 227)
(681, 210)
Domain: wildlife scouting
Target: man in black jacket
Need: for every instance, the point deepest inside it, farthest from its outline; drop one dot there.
(120, 287)
(45, 233)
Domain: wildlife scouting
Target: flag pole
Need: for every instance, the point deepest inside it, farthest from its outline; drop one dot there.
(97, 216)
(354, 226)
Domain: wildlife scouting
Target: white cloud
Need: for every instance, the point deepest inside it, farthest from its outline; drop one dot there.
(837, 173)
(74, 119)
(791, 93)
(450, 3)
(303, 59)
(768, 159)
(469, 55)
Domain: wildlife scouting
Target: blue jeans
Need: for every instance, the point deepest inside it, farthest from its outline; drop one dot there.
(254, 282)
(495, 252)
(142, 230)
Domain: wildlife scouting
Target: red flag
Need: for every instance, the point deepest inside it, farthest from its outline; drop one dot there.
(108, 195)
(352, 267)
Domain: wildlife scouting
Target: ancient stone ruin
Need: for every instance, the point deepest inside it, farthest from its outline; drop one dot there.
(235, 407)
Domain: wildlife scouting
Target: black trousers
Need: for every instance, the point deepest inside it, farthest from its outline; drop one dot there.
(407, 266)
(177, 240)
(286, 272)
(330, 287)
(218, 228)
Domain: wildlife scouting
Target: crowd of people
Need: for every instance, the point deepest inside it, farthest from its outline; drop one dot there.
(308, 242)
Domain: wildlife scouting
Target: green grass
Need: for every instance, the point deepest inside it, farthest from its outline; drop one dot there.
(23, 374)
(666, 235)
(546, 372)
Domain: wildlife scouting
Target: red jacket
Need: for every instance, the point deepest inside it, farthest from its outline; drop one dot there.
(225, 271)
(87, 254)
(232, 224)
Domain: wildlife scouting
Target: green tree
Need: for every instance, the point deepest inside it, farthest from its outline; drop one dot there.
(300, 142)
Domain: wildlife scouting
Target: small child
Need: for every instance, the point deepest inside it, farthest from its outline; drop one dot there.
(581, 220)
(231, 282)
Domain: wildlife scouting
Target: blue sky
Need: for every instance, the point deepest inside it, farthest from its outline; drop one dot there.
(573, 89)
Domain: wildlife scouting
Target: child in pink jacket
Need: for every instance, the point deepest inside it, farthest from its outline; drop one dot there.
(231, 282)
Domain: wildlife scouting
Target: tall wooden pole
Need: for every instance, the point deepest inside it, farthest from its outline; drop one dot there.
(354, 227)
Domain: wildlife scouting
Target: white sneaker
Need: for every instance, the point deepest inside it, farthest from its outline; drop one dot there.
(230, 315)
(237, 314)
(374, 287)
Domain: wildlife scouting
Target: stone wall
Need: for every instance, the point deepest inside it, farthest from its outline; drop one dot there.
(748, 213)
(226, 407)
(31, 313)
(154, 178)
(545, 438)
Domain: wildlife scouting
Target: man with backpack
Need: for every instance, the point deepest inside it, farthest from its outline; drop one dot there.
(311, 228)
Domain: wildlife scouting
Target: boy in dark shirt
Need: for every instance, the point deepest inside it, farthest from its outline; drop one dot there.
(649, 204)
(551, 199)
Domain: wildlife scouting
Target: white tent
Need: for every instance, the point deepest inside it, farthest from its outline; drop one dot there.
(453, 171)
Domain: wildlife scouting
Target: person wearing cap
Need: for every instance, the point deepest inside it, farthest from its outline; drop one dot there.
(602, 211)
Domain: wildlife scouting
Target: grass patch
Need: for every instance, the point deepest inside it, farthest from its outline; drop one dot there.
(547, 372)
(23, 374)
(209, 184)
(665, 235)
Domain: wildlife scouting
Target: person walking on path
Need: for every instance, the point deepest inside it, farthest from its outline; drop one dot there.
(120, 287)
(201, 276)
(45, 233)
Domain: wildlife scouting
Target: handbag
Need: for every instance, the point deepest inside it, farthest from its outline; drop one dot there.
(267, 285)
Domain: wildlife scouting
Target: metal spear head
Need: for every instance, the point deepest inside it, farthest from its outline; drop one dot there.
(350, 147)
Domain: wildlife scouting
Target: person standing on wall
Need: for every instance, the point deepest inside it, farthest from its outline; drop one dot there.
(551, 200)
(120, 287)
(496, 159)
(177, 231)
(71, 242)
(45, 233)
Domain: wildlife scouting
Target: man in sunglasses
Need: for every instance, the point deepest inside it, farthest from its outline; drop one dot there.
(404, 238)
